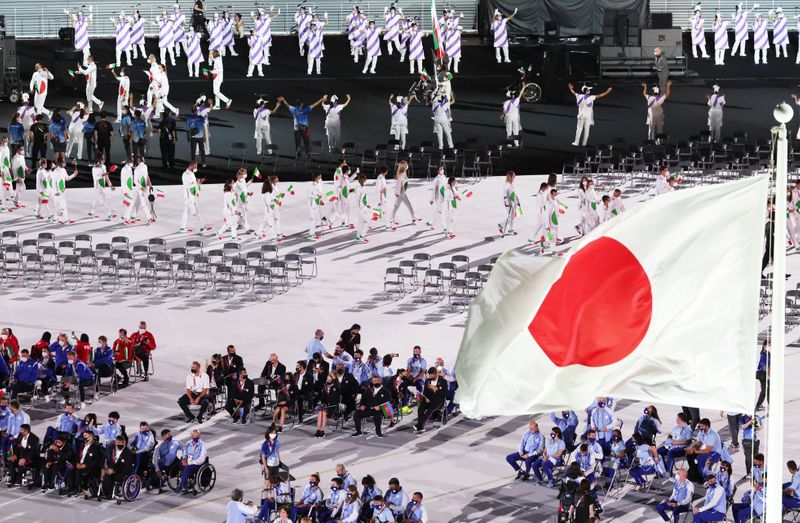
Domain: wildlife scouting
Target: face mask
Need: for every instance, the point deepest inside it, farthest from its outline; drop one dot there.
(565, 415)
(87, 440)
(357, 359)
(72, 362)
(23, 359)
(195, 439)
(613, 438)
(144, 431)
(142, 331)
(312, 483)
(120, 447)
(110, 421)
(4, 337)
(62, 343)
(646, 412)
(334, 488)
(273, 436)
(349, 495)
(552, 435)
(592, 440)
(601, 404)
(45, 355)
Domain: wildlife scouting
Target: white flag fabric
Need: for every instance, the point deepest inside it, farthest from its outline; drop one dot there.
(658, 304)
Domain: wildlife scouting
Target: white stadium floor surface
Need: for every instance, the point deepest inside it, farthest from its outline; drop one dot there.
(460, 467)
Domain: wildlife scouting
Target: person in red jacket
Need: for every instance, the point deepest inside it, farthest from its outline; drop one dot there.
(44, 343)
(84, 349)
(143, 344)
(9, 345)
(123, 352)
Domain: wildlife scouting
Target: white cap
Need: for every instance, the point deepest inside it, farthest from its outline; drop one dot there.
(779, 10)
(715, 87)
(80, 105)
(334, 99)
(697, 7)
(656, 90)
(497, 12)
(25, 97)
(586, 88)
(399, 99)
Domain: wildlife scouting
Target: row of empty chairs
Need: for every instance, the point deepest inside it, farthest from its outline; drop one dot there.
(456, 280)
(151, 266)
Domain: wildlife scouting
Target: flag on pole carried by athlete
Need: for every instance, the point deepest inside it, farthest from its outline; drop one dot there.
(436, 33)
(659, 304)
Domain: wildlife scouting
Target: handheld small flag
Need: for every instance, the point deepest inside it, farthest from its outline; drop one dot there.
(149, 75)
(467, 193)
(291, 189)
(6, 162)
(160, 193)
(331, 197)
(111, 66)
(377, 214)
(678, 177)
(257, 173)
(112, 168)
(387, 411)
(562, 207)
(454, 203)
(554, 219)
(71, 73)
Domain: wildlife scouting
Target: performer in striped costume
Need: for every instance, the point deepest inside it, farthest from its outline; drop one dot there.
(122, 29)
(405, 34)
(355, 21)
(720, 39)
(178, 29)
(263, 26)
(453, 47)
(391, 31)
(215, 30)
(194, 55)
(500, 30)
(227, 34)
(441, 120)
(510, 114)
(256, 54)
(398, 107)
(81, 23)
(780, 34)
(415, 51)
(741, 34)
(165, 34)
(372, 42)
(698, 32)
(316, 47)
(716, 102)
(137, 35)
(760, 39)
(39, 84)
(301, 19)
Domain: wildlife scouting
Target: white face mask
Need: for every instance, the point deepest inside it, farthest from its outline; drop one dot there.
(273, 436)
(62, 343)
(23, 359)
(142, 331)
(4, 337)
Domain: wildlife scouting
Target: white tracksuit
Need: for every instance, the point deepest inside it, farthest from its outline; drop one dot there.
(43, 193)
(18, 168)
(439, 199)
(540, 227)
(217, 75)
(191, 192)
(76, 133)
(512, 118)
(553, 209)
(383, 194)
(268, 221)
(314, 197)
(39, 85)
(343, 192)
(8, 178)
(99, 176)
(401, 197)
(262, 131)
(585, 103)
(91, 84)
(715, 105)
(229, 217)
(162, 92)
(141, 182)
(364, 212)
(240, 188)
(452, 200)
(399, 122)
(122, 94)
(793, 223)
(59, 179)
(441, 123)
(511, 202)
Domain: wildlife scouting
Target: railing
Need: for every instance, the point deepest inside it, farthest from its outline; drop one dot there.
(43, 19)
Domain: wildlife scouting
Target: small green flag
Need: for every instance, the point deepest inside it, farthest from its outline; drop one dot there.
(554, 218)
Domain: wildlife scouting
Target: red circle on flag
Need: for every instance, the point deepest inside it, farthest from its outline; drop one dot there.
(598, 311)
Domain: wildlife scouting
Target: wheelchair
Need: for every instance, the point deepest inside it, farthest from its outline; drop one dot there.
(128, 490)
(200, 482)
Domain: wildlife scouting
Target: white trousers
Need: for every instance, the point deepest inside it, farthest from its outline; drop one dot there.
(781, 47)
(262, 134)
(450, 219)
(363, 222)
(443, 131)
(190, 208)
(438, 215)
(505, 53)
(411, 63)
(342, 209)
(268, 223)
(86, 53)
(241, 208)
(400, 131)
(194, 69)
(140, 203)
(163, 51)
(311, 62)
(760, 55)
(513, 126)
(38, 103)
(508, 225)
(719, 56)
(90, 97)
(41, 205)
(218, 96)
(121, 102)
(539, 230)
(315, 215)
(230, 222)
(582, 128)
(61, 210)
(127, 56)
(137, 49)
(257, 67)
(403, 200)
(164, 102)
(373, 60)
(702, 49)
(739, 45)
(453, 63)
(100, 201)
(75, 138)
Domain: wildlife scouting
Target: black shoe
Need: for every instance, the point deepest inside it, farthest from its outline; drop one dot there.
(356, 433)
(190, 419)
(280, 429)
(146, 378)
(235, 419)
(199, 419)
(244, 420)
(379, 435)
(520, 474)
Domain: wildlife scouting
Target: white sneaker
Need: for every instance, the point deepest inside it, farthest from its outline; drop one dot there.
(100, 105)
(83, 405)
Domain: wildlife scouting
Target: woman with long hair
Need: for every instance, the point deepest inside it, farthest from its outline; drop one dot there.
(230, 215)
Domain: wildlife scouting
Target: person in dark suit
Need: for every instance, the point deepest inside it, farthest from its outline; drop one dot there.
(273, 371)
(118, 464)
(59, 458)
(232, 363)
(372, 397)
(351, 338)
(318, 370)
(304, 382)
(240, 396)
(25, 457)
(661, 68)
(434, 394)
(349, 388)
(327, 404)
(88, 465)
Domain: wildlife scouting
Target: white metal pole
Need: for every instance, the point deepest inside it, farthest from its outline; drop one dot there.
(774, 464)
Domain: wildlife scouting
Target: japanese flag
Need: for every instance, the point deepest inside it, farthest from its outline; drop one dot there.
(659, 304)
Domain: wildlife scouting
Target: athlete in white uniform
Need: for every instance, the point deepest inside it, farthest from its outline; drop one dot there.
(343, 192)
(364, 209)
(59, 179)
(261, 116)
(398, 107)
(333, 120)
(230, 213)
(101, 184)
(438, 200)
(191, 193)
(39, 85)
(585, 101)
(124, 91)
(43, 190)
(401, 194)
(90, 71)
(268, 193)
(315, 203)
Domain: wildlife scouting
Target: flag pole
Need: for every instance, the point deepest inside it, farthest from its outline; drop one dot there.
(783, 113)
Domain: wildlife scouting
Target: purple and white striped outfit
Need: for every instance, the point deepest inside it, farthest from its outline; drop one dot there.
(740, 25)
(165, 32)
(81, 32)
(500, 33)
(193, 53)
(178, 21)
(392, 28)
(373, 42)
(415, 50)
(698, 30)
(216, 35)
(227, 31)
(123, 34)
(301, 19)
(720, 35)
(453, 43)
(359, 34)
(137, 33)
(354, 21)
(256, 54)
(760, 40)
(264, 31)
(780, 35)
(315, 43)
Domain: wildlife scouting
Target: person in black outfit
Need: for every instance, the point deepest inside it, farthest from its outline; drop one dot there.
(769, 248)
(584, 511)
(432, 399)
(58, 455)
(105, 135)
(232, 363)
(25, 457)
(89, 461)
(198, 18)
(303, 381)
(39, 134)
(118, 463)
(273, 371)
(328, 404)
(351, 338)
(168, 136)
(370, 406)
(240, 396)
(349, 387)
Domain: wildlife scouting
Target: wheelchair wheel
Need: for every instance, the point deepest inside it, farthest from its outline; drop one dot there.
(130, 488)
(173, 478)
(206, 477)
(532, 93)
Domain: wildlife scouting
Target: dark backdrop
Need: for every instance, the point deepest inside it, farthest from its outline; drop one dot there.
(575, 17)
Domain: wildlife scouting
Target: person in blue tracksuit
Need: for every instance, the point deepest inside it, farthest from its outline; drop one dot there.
(755, 506)
(46, 370)
(648, 425)
(601, 419)
(677, 441)
(25, 374)
(646, 458)
(617, 457)
(142, 444)
(791, 490)
(60, 349)
(567, 421)
(79, 372)
(715, 504)
(108, 433)
(103, 360)
(530, 448)
(707, 447)
(551, 457)
(238, 512)
(66, 424)
(312, 496)
(351, 507)
(333, 505)
(194, 455)
(165, 458)
(396, 498)
(380, 511)
(16, 418)
(680, 500)
(586, 461)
